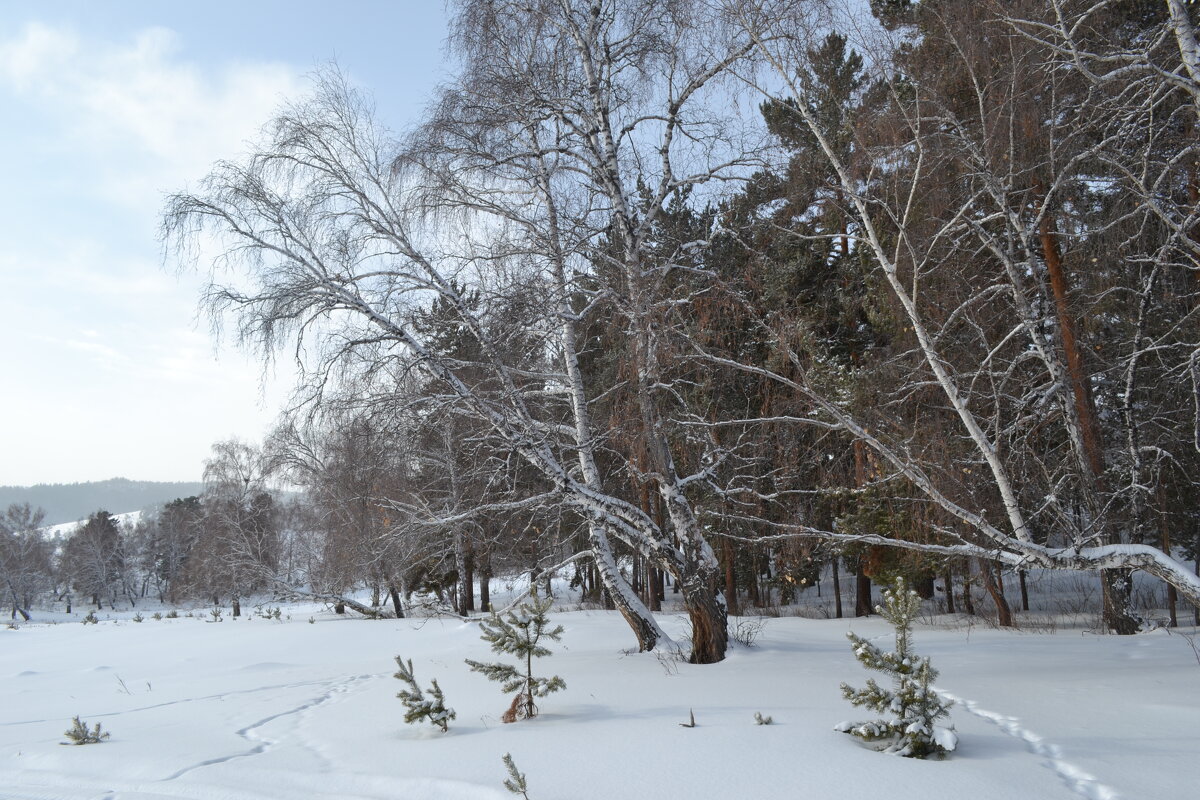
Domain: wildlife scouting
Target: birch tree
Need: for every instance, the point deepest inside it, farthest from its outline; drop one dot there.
(569, 129)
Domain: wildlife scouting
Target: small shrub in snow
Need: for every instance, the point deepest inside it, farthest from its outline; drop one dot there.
(745, 631)
(90, 619)
(912, 708)
(138, 617)
(157, 616)
(215, 614)
(759, 719)
(515, 782)
(420, 707)
(79, 733)
(173, 614)
(518, 633)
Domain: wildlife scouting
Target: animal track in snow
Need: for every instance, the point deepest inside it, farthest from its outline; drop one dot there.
(1076, 779)
(261, 745)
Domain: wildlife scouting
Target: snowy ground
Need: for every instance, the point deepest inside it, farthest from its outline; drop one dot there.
(256, 708)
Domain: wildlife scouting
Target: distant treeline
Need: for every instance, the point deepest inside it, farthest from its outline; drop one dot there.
(66, 502)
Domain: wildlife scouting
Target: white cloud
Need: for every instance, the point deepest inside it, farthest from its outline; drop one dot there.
(153, 119)
(114, 379)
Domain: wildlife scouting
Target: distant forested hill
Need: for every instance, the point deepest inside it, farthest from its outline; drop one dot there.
(67, 502)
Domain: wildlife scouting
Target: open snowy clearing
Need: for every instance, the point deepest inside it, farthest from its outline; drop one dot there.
(256, 708)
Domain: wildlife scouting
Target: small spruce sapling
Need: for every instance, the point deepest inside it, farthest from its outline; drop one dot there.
(518, 633)
(515, 782)
(912, 708)
(79, 733)
(420, 707)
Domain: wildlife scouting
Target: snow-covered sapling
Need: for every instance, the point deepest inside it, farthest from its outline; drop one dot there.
(518, 633)
(79, 733)
(420, 707)
(515, 782)
(912, 708)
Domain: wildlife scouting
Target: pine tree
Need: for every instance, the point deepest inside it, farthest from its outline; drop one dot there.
(420, 707)
(518, 633)
(912, 708)
(79, 733)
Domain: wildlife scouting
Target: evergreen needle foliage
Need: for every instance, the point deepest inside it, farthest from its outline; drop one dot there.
(518, 633)
(912, 708)
(79, 733)
(419, 707)
(515, 782)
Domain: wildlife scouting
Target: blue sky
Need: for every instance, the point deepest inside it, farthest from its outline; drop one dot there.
(107, 371)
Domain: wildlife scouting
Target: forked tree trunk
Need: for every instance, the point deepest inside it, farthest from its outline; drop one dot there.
(1004, 616)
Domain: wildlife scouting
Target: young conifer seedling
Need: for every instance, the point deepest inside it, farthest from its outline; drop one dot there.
(419, 707)
(518, 633)
(912, 708)
(515, 782)
(79, 733)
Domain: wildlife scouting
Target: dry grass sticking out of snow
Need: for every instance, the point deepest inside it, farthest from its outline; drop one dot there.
(256, 709)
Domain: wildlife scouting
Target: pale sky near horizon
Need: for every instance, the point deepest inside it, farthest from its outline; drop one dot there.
(106, 108)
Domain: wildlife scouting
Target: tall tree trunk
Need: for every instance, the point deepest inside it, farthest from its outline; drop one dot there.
(968, 601)
(1116, 588)
(862, 592)
(485, 581)
(1165, 534)
(948, 580)
(394, 593)
(837, 590)
(731, 598)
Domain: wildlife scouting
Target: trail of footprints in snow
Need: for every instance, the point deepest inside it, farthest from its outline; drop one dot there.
(1075, 778)
(248, 732)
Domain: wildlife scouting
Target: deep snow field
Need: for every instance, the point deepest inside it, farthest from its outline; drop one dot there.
(258, 708)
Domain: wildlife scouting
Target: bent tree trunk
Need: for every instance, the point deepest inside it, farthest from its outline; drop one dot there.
(640, 620)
